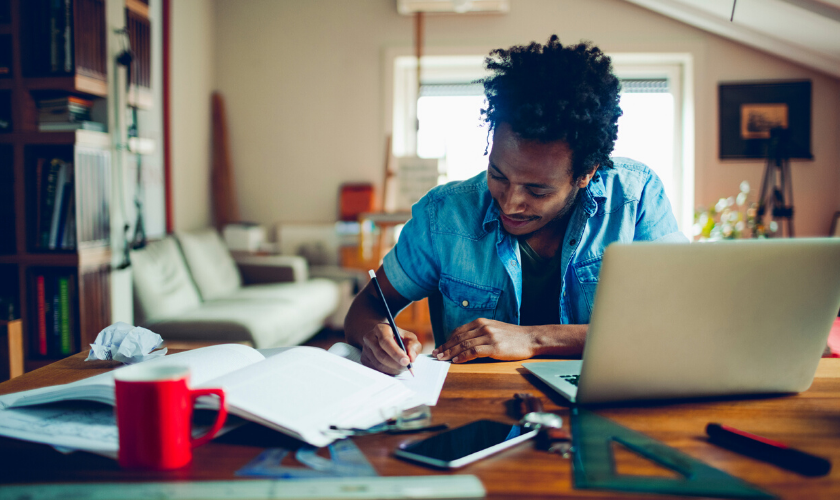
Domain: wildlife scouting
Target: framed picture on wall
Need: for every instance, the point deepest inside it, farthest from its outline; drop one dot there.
(749, 111)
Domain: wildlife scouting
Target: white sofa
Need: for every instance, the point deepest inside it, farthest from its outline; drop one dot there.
(191, 289)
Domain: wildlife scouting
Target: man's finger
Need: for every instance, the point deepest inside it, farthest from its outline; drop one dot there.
(373, 344)
(389, 345)
(479, 351)
(412, 344)
(371, 362)
(457, 338)
(465, 345)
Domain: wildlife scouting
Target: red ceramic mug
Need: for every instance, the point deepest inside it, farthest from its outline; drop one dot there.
(154, 416)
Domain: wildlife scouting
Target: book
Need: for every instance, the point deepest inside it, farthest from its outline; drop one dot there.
(63, 116)
(68, 36)
(69, 126)
(64, 310)
(65, 101)
(64, 209)
(68, 241)
(40, 299)
(54, 301)
(301, 391)
(49, 181)
(58, 203)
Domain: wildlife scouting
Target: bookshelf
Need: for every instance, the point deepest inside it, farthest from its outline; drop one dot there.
(55, 257)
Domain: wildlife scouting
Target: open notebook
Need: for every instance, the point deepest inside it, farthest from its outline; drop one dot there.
(300, 391)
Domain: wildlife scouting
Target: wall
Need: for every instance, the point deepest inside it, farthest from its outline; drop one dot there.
(304, 87)
(192, 66)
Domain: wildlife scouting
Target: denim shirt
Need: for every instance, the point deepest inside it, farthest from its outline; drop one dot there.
(455, 243)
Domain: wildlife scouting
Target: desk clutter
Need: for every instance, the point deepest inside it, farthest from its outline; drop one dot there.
(304, 392)
(525, 471)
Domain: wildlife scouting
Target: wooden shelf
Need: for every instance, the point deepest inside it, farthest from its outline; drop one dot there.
(83, 257)
(85, 137)
(25, 148)
(60, 259)
(77, 84)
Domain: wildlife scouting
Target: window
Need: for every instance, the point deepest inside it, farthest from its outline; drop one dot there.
(449, 128)
(444, 122)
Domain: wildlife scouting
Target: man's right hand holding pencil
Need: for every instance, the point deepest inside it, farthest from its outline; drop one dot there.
(367, 326)
(381, 352)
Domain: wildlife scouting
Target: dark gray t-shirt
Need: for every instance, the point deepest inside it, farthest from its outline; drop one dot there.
(541, 283)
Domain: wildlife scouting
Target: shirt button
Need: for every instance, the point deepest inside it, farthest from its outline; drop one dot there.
(465, 303)
(572, 241)
(512, 263)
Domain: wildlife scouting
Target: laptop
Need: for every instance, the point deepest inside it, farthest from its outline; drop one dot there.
(704, 320)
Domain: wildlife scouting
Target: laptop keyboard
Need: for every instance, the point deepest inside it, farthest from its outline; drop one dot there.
(572, 379)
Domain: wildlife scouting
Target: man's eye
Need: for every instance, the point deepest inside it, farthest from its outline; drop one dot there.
(497, 177)
(537, 195)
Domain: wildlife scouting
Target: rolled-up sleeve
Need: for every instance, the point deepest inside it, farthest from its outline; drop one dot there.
(655, 219)
(412, 266)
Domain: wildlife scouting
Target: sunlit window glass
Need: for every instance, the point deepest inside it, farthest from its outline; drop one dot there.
(646, 129)
(450, 128)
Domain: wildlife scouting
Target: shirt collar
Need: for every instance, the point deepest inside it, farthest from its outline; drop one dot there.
(491, 216)
(593, 194)
(590, 198)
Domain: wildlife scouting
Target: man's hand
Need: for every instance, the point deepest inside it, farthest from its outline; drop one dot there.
(381, 352)
(488, 338)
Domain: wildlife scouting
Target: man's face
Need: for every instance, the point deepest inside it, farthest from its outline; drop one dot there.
(530, 180)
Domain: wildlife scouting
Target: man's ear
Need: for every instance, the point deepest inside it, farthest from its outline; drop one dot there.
(582, 182)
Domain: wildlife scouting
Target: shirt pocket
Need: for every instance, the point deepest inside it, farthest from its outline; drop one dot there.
(464, 302)
(587, 273)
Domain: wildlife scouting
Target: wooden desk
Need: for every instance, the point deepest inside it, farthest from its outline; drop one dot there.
(809, 421)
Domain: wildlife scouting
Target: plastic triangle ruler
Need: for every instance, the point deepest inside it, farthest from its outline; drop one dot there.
(594, 465)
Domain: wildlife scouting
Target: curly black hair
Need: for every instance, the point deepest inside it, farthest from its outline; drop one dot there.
(551, 92)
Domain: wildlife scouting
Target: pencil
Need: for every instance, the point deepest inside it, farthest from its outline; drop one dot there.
(391, 319)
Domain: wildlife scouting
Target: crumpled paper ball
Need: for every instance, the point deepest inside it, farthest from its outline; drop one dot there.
(127, 344)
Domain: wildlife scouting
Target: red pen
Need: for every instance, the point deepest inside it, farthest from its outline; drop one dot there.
(767, 450)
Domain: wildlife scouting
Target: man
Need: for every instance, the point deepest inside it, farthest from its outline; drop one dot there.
(515, 253)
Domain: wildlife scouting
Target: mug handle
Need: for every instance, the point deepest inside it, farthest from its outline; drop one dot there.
(220, 417)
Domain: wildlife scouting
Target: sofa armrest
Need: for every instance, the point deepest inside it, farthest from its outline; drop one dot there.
(256, 269)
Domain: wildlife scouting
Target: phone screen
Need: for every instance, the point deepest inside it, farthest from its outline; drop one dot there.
(472, 438)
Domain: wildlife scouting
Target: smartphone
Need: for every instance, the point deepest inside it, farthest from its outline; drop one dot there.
(464, 445)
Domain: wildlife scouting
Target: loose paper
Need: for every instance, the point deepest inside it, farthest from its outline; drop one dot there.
(126, 344)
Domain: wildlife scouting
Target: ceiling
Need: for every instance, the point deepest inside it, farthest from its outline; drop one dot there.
(804, 31)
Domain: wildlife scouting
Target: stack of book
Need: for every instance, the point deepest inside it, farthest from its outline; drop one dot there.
(66, 113)
(55, 324)
(56, 207)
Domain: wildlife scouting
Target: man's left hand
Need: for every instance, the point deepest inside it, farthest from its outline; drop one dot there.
(488, 338)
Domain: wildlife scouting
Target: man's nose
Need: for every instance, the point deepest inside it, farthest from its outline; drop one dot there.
(513, 201)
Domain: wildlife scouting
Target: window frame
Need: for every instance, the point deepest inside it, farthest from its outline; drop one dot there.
(440, 66)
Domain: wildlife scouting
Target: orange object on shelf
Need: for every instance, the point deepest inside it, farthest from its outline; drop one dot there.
(355, 199)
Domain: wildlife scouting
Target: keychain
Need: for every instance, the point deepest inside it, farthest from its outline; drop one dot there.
(552, 437)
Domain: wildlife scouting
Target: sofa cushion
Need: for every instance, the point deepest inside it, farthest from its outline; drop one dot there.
(161, 280)
(210, 263)
(275, 315)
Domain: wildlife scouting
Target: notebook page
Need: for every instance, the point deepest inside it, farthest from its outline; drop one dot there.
(306, 390)
(427, 382)
(205, 364)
